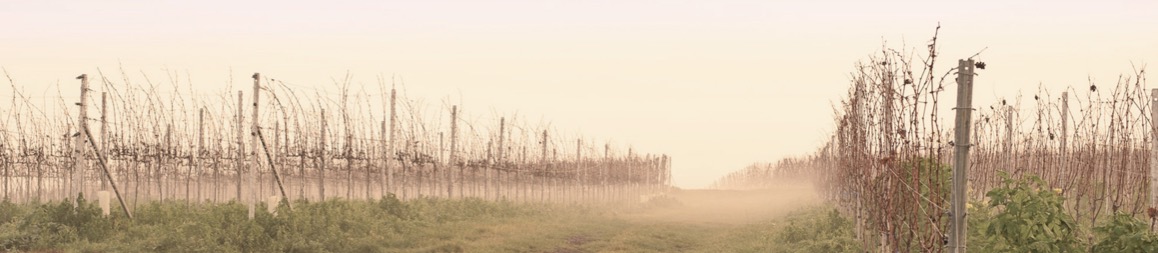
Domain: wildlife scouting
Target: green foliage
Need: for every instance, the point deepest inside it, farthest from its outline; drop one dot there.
(45, 226)
(1124, 233)
(815, 231)
(1031, 218)
(391, 225)
(1025, 216)
(979, 217)
(330, 226)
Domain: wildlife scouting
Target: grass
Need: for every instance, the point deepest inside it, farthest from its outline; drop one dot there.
(423, 225)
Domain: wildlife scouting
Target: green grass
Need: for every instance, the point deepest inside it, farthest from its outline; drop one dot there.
(390, 225)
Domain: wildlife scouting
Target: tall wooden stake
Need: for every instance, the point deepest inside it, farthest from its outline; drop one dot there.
(240, 144)
(255, 142)
(486, 172)
(6, 161)
(453, 153)
(78, 160)
(104, 131)
(1153, 148)
(349, 151)
(499, 191)
(958, 232)
(542, 184)
(581, 174)
(1009, 158)
(439, 165)
(275, 151)
(385, 160)
(390, 146)
(1063, 136)
(322, 160)
(200, 147)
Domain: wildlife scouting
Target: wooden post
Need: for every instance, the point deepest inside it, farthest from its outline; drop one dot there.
(557, 177)
(240, 144)
(606, 170)
(453, 153)
(390, 146)
(200, 148)
(137, 178)
(1153, 148)
(417, 149)
(669, 175)
(275, 152)
(958, 232)
(217, 169)
(1063, 138)
(39, 171)
(499, 191)
(631, 164)
(104, 132)
(580, 179)
(406, 175)
(530, 177)
(78, 154)
(542, 181)
(6, 161)
(164, 157)
(438, 165)
(285, 151)
(385, 161)
(486, 172)
(189, 173)
(322, 160)
(302, 151)
(255, 142)
(1009, 150)
(349, 151)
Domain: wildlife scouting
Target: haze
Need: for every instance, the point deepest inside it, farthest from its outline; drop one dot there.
(715, 84)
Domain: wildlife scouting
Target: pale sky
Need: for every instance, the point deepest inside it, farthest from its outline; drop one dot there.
(715, 84)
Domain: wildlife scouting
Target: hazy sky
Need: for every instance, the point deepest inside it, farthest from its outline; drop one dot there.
(715, 84)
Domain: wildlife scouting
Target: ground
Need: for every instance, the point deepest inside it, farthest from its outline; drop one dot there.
(781, 219)
(683, 221)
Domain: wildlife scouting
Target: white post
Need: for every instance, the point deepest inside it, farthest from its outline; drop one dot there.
(390, 145)
(254, 142)
(104, 133)
(240, 144)
(1153, 148)
(79, 163)
(454, 153)
(322, 160)
(1009, 150)
(958, 232)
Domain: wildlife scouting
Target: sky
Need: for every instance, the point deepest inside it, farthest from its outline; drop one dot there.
(715, 84)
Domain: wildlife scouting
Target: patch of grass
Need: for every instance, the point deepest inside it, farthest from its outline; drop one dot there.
(390, 225)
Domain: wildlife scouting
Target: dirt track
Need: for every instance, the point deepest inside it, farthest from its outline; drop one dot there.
(730, 207)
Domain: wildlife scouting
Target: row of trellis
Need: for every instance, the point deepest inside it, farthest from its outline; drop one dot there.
(887, 163)
(189, 147)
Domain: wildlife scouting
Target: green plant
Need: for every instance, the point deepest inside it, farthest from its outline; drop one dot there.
(1031, 218)
(816, 231)
(1124, 233)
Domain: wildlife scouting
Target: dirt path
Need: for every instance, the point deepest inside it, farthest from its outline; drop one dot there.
(729, 207)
